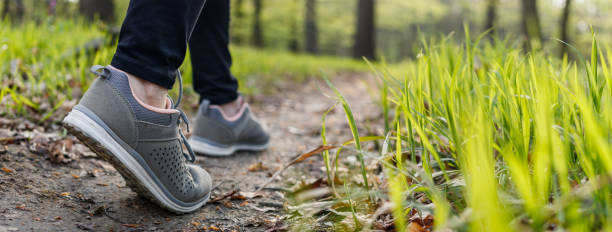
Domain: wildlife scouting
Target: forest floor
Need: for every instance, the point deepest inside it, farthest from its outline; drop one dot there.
(49, 181)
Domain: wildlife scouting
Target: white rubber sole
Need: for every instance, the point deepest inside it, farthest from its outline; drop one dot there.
(87, 125)
(211, 150)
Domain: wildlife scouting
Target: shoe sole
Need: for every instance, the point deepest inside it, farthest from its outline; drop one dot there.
(201, 147)
(136, 177)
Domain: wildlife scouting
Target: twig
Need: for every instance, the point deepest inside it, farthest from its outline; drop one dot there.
(223, 197)
(219, 184)
(106, 213)
(297, 159)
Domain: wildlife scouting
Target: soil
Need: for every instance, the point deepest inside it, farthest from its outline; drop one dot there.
(82, 192)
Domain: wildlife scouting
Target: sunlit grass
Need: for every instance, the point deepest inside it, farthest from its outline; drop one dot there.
(498, 140)
(45, 65)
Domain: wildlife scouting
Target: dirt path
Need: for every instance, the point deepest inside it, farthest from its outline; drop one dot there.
(86, 193)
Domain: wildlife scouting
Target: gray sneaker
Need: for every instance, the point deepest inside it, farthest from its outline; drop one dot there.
(218, 135)
(143, 143)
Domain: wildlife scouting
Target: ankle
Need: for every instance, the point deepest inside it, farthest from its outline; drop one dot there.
(147, 92)
(230, 109)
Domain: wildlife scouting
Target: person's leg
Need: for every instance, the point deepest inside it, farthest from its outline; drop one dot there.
(152, 44)
(129, 121)
(210, 56)
(224, 123)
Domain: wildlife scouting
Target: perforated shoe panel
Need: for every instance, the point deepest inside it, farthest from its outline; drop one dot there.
(167, 160)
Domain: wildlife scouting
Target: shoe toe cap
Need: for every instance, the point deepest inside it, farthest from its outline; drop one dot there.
(202, 182)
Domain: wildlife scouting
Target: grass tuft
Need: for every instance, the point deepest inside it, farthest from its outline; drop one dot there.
(488, 138)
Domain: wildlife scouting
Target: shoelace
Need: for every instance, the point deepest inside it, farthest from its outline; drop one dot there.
(190, 156)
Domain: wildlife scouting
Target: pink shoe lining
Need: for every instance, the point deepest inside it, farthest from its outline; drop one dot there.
(236, 116)
(167, 110)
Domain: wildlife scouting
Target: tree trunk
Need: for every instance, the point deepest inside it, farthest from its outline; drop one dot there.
(364, 36)
(15, 14)
(491, 17)
(257, 33)
(104, 9)
(531, 24)
(5, 8)
(19, 11)
(311, 27)
(294, 45)
(238, 38)
(564, 26)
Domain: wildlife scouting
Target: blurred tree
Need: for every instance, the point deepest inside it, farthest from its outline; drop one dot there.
(5, 8)
(104, 9)
(17, 13)
(239, 18)
(19, 10)
(62, 8)
(564, 26)
(311, 27)
(364, 36)
(294, 45)
(257, 34)
(491, 17)
(531, 24)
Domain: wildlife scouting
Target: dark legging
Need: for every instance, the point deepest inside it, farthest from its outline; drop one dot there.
(154, 38)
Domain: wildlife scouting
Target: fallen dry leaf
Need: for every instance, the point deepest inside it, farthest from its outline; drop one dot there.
(12, 140)
(319, 183)
(67, 143)
(133, 225)
(315, 151)
(219, 198)
(59, 151)
(415, 227)
(83, 151)
(238, 197)
(75, 176)
(7, 170)
(257, 167)
(425, 224)
(21, 207)
(10, 137)
(214, 228)
(65, 194)
(428, 221)
(196, 224)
